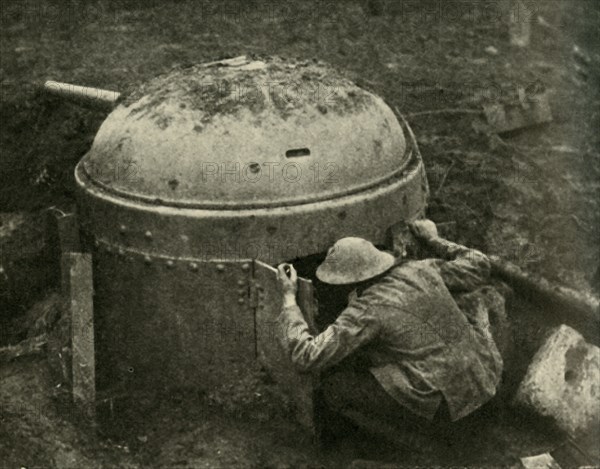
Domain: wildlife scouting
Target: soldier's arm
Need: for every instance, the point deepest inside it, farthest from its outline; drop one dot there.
(461, 268)
(308, 352)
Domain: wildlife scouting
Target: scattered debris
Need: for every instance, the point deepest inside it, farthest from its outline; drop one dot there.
(540, 461)
(530, 110)
(31, 346)
(581, 56)
(542, 22)
(562, 381)
(491, 50)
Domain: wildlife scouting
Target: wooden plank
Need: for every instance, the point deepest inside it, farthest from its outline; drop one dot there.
(78, 292)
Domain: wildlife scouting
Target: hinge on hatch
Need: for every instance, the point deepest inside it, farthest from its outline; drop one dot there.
(253, 294)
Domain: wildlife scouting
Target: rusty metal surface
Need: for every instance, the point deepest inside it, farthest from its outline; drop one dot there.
(272, 235)
(258, 134)
(168, 322)
(295, 387)
(174, 305)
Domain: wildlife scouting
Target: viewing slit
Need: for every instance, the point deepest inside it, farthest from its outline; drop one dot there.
(297, 152)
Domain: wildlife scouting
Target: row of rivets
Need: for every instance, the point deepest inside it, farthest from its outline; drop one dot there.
(147, 234)
(169, 263)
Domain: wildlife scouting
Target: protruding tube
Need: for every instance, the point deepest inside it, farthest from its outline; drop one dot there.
(94, 97)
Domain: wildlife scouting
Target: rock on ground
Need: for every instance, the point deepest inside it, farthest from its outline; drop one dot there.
(563, 381)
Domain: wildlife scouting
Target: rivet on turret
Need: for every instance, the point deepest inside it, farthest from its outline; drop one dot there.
(170, 264)
(241, 301)
(241, 283)
(220, 267)
(194, 266)
(147, 260)
(245, 267)
(148, 235)
(122, 229)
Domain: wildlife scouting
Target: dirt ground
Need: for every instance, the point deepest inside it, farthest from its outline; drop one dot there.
(531, 197)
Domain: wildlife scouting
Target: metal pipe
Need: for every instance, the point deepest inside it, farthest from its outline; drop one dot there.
(94, 97)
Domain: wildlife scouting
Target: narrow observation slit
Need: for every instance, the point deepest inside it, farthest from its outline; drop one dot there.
(296, 152)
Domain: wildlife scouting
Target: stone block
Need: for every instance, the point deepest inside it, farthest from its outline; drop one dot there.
(563, 381)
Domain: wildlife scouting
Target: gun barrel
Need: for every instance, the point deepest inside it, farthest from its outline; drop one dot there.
(94, 97)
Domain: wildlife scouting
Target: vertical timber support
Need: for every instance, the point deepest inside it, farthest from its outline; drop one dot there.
(77, 310)
(78, 300)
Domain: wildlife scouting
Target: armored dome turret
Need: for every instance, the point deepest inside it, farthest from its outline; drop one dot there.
(252, 133)
(253, 155)
(200, 181)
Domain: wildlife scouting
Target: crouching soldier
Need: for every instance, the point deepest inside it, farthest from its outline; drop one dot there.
(426, 364)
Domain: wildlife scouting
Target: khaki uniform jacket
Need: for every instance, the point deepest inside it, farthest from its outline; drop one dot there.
(421, 346)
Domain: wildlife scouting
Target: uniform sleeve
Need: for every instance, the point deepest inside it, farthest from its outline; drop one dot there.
(353, 328)
(462, 269)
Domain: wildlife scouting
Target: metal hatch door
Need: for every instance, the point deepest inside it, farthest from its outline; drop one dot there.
(296, 388)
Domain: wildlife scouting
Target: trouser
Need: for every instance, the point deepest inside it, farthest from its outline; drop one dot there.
(358, 396)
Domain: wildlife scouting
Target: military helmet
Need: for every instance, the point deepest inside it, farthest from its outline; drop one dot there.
(353, 260)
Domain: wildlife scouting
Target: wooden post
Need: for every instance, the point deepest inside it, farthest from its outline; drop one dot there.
(78, 292)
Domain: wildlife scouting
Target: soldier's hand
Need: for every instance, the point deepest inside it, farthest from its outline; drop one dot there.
(288, 280)
(424, 229)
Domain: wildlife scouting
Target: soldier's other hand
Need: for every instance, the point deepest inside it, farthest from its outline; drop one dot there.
(288, 280)
(424, 229)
